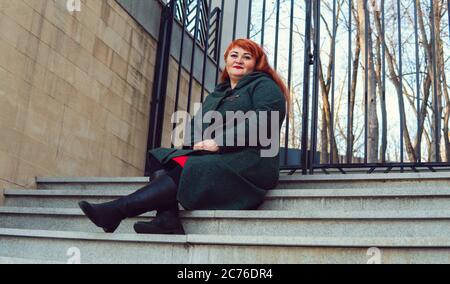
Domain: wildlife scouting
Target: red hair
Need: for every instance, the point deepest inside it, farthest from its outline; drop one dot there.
(262, 64)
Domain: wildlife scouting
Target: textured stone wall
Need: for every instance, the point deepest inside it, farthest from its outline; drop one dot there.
(75, 89)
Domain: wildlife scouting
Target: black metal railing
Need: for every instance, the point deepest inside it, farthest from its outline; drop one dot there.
(200, 27)
(374, 29)
(368, 78)
(201, 22)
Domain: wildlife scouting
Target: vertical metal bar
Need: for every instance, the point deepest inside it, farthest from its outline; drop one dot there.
(448, 14)
(436, 107)
(306, 81)
(315, 105)
(249, 24)
(366, 78)
(333, 52)
(180, 63)
(236, 8)
(203, 24)
(416, 35)
(179, 13)
(215, 54)
(277, 30)
(383, 55)
(194, 45)
(156, 119)
(399, 33)
(349, 83)
(205, 55)
(211, 20)
(263, 24)
(291, 33)
(219, 42)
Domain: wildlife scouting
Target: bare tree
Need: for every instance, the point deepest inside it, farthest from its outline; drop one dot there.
(326, 84)
(381, 87)
(395, 79)
(428, 47)
(368, 62)
(368, 42)
(442, 79)
(355, 67)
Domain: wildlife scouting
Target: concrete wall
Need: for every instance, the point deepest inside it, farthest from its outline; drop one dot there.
(74, 91)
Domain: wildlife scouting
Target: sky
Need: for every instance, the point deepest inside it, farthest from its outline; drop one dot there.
(342, 54)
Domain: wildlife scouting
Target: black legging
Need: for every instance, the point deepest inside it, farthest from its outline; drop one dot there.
(173, 168)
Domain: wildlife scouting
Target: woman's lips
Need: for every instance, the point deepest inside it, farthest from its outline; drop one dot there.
(237, 67)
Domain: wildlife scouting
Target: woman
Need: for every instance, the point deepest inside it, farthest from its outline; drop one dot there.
(208, 176)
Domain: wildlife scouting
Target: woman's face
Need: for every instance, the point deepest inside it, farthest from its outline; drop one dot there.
(239, 63)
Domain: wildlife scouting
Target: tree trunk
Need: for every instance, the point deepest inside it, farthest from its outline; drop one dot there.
(429, 58)
(327, 114)
(325, 83)
(443, 89)
(423, 113)
(355, 67)
(399, 88)
(324, 142)
(367, 46)
(381, 93)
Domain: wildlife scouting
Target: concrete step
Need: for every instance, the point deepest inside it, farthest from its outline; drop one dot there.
(292, 199)
(381, 170)
(423, 181)
(218, 249)
(59, 198)
(124, 183)
(295, 181)
(268, 223)
(16, 260)
(335, 218)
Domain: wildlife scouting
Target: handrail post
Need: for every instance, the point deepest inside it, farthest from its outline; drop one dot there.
(306, 70)
(159, 91)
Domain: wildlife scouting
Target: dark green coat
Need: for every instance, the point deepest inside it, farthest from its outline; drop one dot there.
(235, 178)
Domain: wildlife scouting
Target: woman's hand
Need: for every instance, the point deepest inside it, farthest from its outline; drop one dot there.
(208, 145)
(198, 146)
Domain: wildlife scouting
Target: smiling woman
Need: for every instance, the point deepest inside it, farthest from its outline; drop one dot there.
(239, 63)
(207, 176)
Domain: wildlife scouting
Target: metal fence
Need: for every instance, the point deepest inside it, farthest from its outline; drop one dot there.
(368, 78)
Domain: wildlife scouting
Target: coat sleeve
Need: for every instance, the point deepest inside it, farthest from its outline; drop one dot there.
(266, 97)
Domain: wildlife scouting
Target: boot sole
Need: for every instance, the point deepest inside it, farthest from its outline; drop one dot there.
(144, 229)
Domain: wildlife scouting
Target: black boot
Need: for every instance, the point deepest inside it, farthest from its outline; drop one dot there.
(157, 174)
(167, 221)
(160, 193)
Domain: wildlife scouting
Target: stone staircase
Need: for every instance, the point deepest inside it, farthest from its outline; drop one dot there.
(336, 218)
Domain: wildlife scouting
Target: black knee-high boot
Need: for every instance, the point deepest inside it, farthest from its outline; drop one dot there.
(160, 193)
(167, 221)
